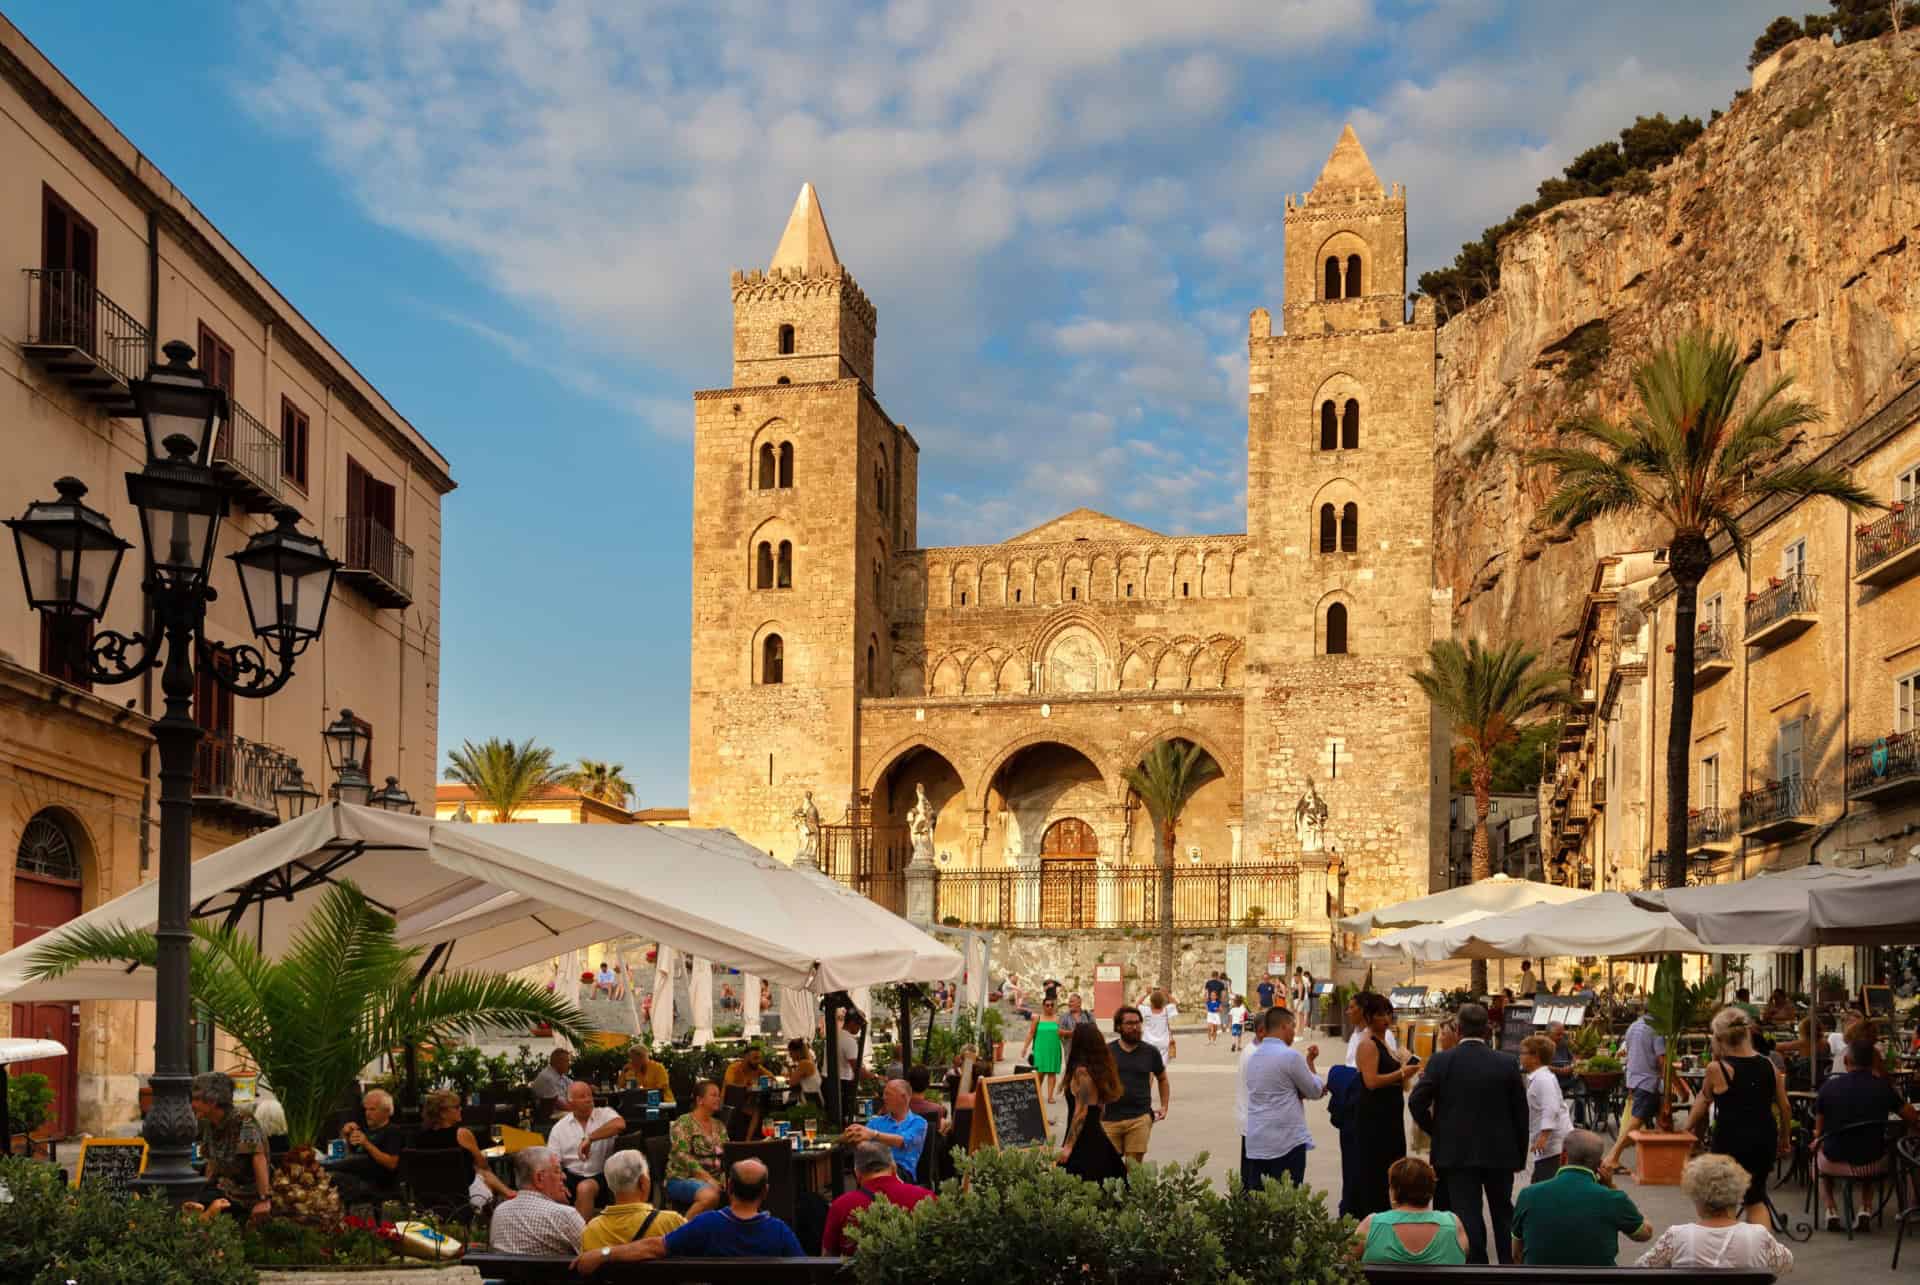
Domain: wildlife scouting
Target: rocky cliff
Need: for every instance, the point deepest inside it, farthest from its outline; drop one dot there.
(1792, 223)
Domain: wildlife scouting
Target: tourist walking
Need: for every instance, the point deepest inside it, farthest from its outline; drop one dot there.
(1719, 1236)
(1474, 1103)
(1264, 993)
(1156, 1023)
(1379, 1111)
(1093, 1085)
(1128, 1120)
(1412, 1233)
(1643, 1049)
(1279, 1081)
(1216, 1005)
(1744, 1089)
(1548, 1123)
(1237, 1020)
(1042, 1050)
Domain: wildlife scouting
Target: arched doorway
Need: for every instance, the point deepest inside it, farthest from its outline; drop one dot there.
(46, 894)
(1069, 874)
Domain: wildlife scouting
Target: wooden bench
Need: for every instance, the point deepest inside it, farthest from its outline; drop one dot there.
(1480, 1274)
(553, 1269)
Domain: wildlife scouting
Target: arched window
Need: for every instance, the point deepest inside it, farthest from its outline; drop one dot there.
(783, 578)
(880, 484)
(1333, 276)
(1074, 593)
(786, 464)
(1350, 426)
(773, 660)
(786, 341)
(870, 669)
(1353, 276)
(763, 566)
(1350, 529)
(879, 583)
(783, 380)
(1329, 426)
(963, 597)
(1329, 529)
(46, 851)
(1337, 629)
(766, 466)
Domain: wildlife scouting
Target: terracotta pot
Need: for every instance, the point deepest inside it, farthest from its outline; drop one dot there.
(1601, 1082)
(1659, 1157)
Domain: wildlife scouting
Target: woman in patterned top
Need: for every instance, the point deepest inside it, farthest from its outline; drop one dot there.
(1719, 1236)
(694, 1159)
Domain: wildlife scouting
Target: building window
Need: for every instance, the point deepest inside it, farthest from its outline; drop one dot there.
(69, 250)
(1710, 611)
(1337, 629)
(773, 661)
(293, 444)
(1183, 588)
(1329, 529)
(766, 466)
(1016, 595)
(786, 464)
(1350, 426)
(1790, 755)
(1906, 487)
(64, 645)
(1074, 593)
(1333, 276)
(1906, 697)
(786, 341)
(1793, 559)
(880, 484)
(963, 597)
(46, 851)
(763, 566)
(1710, 781)
(1129, 588)
(783, 574)
(1350, 529)
(1353, 276)
(783, 380)
(216, 360)
(1329, 426)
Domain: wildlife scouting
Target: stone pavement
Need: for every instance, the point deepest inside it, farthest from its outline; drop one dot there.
(1202, 1119)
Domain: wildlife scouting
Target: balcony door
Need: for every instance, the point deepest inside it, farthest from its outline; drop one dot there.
(1790, 753)
(213, 760)
(1710, 782)
(216, 362)
(370, 513)
(69, 255)
(1793, 560)
(1906, 702)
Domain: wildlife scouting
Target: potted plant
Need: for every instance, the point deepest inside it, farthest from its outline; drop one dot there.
(462, 1069)
(1833, 986)
(29, 1106)
(1661, 1152)
(993, 1027)
(1600, 1073)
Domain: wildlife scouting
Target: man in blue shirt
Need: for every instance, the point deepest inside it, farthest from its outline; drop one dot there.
(1643, 1051)
(741, 1230)
(896, 1126)
(1278, 1080)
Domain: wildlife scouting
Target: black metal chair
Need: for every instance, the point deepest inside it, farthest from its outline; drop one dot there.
(635, 1141)
(437, 1179)
(1907, 1183)
(777, 1155)
(1889, 1133)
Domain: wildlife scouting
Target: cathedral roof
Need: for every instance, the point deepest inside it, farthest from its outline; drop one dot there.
(806, 245)
(1083, 524)
(1347, 168)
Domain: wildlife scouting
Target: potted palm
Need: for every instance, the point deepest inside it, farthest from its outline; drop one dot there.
(1660, 1153)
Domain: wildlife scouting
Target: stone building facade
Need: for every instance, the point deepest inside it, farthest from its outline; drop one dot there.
(1016, 682)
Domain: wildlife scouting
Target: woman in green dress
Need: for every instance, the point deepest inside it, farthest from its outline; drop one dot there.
(1043, 1046)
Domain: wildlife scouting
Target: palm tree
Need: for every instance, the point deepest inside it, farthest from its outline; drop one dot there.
(1693, 460)
(502, 775)
(1166, 780)
(343, 994)
(1485, 694)
(603, 781)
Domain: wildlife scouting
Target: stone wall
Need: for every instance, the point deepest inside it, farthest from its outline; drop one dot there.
(1071, 958)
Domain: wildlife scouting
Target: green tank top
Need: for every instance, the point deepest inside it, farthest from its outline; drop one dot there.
(1384, 1247)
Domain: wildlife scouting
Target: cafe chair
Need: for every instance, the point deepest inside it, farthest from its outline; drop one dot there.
(655, 1147)
(436, 1179)
(1906, 1173)
(1887, 1180)
(634, 1141)
(478, 1118)
(654, 1128)
(961, 1135)
(777, 1155)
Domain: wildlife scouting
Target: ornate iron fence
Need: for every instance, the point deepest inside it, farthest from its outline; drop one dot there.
(1778, 801)
(1083, 895)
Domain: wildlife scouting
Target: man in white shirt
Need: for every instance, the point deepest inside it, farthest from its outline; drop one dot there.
(1548, 1122)
(1254, 1035)
(583, 1138)
(1278, 1082)
(1359, 1024)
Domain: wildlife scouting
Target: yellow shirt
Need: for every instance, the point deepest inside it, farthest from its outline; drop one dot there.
(621, 1223)
(654, 1078)
(741, 1075)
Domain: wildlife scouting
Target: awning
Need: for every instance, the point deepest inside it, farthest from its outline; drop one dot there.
(1811, 905)
(1600, 923)
(1412, 944)
(1496, 895)
(14, 1051)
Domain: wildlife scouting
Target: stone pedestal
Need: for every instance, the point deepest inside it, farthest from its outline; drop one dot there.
(922, 882)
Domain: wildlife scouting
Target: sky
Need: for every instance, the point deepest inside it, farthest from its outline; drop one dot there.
(518, 219)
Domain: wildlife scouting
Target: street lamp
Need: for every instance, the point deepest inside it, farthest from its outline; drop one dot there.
(69, 557)
(394, 798)
(346, 754)
(292, 796)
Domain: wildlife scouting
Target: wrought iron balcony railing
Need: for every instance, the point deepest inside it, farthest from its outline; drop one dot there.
(235, 777)
(1711, 651)
(1779, 807)
(1775, 607)
(84, 339)
(247, 453)
(1709, 825)
(1883, 766)
(1887, 549)
(379, 565)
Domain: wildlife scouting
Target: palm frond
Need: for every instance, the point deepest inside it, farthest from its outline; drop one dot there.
(504, 775)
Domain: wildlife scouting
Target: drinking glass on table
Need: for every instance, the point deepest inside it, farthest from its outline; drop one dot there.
(812, 1130)
(766, 1131)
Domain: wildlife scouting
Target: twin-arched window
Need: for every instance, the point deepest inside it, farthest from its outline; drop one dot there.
(776, 466)
(773, 568)
(1340, 428)
(1343, 284)
(773, 660)
(1340, 531)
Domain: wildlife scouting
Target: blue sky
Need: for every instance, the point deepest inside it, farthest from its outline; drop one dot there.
(518, 220)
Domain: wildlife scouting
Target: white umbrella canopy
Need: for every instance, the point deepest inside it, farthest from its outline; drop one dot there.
(1496, 895)
(14, 1050)
(1600, 923)
(1808, 906)
(1411, 943)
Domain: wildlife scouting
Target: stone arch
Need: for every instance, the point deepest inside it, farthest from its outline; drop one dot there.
(981, 670)
(1046, 582)
(1159, 575)
(1228, 761)
(909, 673)
(1070, 617)
(1215, 573)
(1170, 668)
(1212, 813)
(770, 456)
(1186, 575)
(763, 555)
(993, 584)
(1130, 580)
(1020, 583)
(1334, 623)
(1333, 499)
(948, 676)
(1203, 671)
(965, 584)
(983, 780)
(1328, 416)
(1233, 668)
(1101, 579)
(923, 761)
(1338, 255)
(1016, 675)
(759, 652)
(1075, 585)
(1237, 574)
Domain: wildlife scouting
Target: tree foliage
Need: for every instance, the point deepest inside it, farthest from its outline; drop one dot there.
(1518, 765)
(606, 782)
(1166, 779)
(53, 1234)
(503, 775)
(1850, 20)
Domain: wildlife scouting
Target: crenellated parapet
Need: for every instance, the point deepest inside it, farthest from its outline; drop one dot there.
(779, 285)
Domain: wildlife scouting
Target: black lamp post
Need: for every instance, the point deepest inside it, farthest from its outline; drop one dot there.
(69, 557)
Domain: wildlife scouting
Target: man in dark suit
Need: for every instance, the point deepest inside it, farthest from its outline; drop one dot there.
(1473, 1101)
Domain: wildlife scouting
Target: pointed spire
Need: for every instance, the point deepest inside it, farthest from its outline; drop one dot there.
(806, 244)
(1347, 168)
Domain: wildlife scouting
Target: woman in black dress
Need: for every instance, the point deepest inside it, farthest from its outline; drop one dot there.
(1746, 1091)
(1379, 1113)
(1093, 1082)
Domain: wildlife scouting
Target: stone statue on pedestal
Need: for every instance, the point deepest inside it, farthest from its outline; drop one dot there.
(806, 819)
(1310, 819)
(920, 827)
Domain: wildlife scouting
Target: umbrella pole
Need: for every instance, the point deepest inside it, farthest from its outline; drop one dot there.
(6, 1120)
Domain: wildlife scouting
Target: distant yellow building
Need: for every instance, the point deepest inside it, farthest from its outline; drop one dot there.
(556, 803)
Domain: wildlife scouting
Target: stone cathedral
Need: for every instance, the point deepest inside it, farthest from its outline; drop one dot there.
(835, 656)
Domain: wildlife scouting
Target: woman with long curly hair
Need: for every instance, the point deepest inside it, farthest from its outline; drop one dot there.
(1093, 1084)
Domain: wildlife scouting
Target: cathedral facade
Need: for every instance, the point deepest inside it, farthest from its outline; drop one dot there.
(1015, 683)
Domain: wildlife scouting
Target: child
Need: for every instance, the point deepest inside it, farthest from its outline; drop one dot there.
(1213, 1016)
(1239, 1019)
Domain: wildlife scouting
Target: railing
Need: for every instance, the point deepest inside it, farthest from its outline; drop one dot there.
(1875, 542)
(1778, 801)
(249, 447)
(237, 770)
(869, 859)
(1794, 594)
(365, 545)
(64, 309)
(1710, 824)
(1597, 791)
(1710, 645)
(1086, 896)
(1883, 761)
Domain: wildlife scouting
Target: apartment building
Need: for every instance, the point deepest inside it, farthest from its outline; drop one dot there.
(102, 260)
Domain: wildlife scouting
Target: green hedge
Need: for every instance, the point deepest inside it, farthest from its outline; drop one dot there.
(51, 1234)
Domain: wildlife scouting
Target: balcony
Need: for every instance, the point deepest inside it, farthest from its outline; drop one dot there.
(1712, 656)
(1885, 767)
(84, 339)
(1889, 549)
(233, 780)
(1710, 829)
(1597, 792)
(373, 561)
(1573, 729)
(1782, 611)
(247, 456)
(1779, 809)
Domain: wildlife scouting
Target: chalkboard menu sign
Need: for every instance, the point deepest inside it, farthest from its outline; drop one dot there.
(1515, 1025)
(115, 1161)
(1878, 999)
(1013, 1116)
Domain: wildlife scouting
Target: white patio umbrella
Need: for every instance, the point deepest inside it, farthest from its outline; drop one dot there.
(700, 1001)
(1495, 895)
(665, 961)
(797, 1010)
(1778, 909)
(1410, 944)
(12, 1052)
(749, 1005)
(1601, 923)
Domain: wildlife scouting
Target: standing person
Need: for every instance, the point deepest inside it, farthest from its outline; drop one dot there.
(1474, 1103)
(1050, 991)
(1279, 1081)
(1216, 988)
(1574, 1219)
(1075, 1015)
(1357, 1018)
(1237, 1020)
(849, 1049)
(1255, 1035)
(1745, 1089)
(1548, 1123)
(583, 1139)
(1264, 993)
(1156, 1024)
(1214, 1014)
(1379, 1114)
(1643, 1049)
(1128, 1121)
(1043, 1046)
(1093, 1085)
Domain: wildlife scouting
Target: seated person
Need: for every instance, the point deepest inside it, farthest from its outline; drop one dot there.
(802, 1072)
(1859, 1095)
(550, 1087)
(538, 1220)
(1573, 1218)
(900, 1129)
(629, 1217)
(643, 1072)
(741, 1230)
(583, 1139)
(371, 1171)
(1779, 1010)
(1719, 1236)
(873, 1170)
(441, 1129)
(1562, 1061)
(744, 1072)
(234, 1150)
(918, 1080)
(693, 1158)
(1412, 1232)
(606, 984)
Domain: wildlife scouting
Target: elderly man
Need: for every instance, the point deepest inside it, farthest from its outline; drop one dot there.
(630, 1216)
(1561, 1063)
(538, 1220)
(583, 1138)
(879, 1180)
(1573, 1218)
(550, 1086)
(741, 1230)
(371, 1171)
(1278, 1082)
(643, 1072)
(896, 1126)
(235, 1151)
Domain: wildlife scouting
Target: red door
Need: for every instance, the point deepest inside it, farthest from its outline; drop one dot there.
(41, 903)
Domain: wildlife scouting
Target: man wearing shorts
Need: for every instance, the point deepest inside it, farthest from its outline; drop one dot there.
(1643, 1049)
(1129, 1120)
(1238, 1018)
